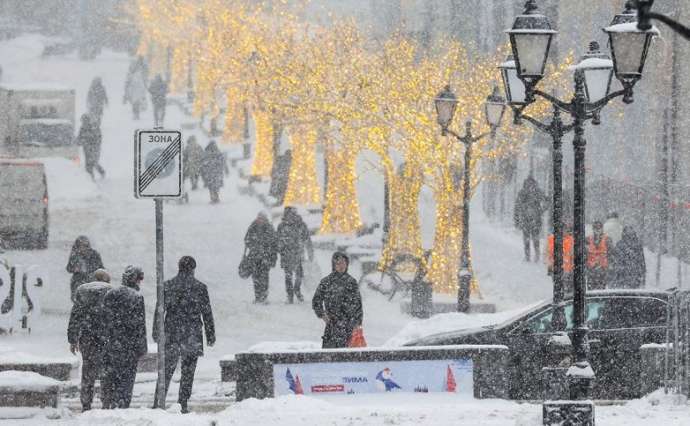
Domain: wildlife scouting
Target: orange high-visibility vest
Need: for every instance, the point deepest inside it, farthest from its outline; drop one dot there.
(568, 244)
(597, 254)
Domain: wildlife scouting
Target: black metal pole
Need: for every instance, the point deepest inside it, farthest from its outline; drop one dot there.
(465, 275)
(160, 306)
(558, 320)
(580, 380)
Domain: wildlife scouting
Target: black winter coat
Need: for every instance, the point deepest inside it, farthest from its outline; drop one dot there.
(88, 324)
(529, 208)
(126, 321)
(187, 309)
(338, 297)
(293, 237)
(212, 167)
(628, 263)
(82, 266)
(90, 139)
(262, 245)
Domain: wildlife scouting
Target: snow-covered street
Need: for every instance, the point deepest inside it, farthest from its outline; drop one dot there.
(122, 229)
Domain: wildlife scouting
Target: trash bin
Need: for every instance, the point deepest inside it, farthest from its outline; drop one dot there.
(420, 305)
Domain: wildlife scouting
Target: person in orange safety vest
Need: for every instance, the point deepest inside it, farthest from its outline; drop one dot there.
(598, 254)
(568, 261)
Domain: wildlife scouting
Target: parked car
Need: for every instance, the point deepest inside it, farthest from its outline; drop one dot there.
(619, 322)
(23, 204)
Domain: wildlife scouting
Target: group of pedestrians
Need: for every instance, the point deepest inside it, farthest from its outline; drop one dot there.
(614, 253)
(263, 243)
(108, 326)
(208, 163)
(137, 86)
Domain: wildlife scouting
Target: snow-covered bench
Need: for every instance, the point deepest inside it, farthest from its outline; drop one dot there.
(58, 369)
(28, 389)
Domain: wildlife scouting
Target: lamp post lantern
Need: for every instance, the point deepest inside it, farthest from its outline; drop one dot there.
(446, 103)
(530, 40)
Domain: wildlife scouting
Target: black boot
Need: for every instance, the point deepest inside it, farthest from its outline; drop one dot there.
(184, 409)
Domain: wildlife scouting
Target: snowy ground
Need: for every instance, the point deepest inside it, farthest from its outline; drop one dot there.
(121, 228)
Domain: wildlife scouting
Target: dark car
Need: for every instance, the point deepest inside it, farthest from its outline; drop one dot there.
(619, 322)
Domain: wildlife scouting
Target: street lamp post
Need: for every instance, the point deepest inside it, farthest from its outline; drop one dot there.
(446, 103)
(556, 128)
(530, 39)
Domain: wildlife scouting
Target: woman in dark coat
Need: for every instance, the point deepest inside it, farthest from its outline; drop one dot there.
(83, 262)
(212, 169)
(628, 261)
(90, 139)
(262, 251)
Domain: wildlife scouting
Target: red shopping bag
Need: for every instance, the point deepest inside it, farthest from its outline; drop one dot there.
(357, 339)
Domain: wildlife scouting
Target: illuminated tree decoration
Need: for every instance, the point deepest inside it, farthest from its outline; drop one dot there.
(263, 151)
(341, 213)
(303, 186)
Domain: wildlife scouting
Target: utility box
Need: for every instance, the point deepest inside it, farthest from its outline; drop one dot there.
(37, 121)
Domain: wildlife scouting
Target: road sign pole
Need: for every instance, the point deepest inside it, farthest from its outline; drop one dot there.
(160, 306)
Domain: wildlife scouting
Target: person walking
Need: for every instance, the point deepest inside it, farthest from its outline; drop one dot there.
(338, 302)
(599, 248)
(159, 92)
(96, 100)
(187, 309)
(126, 342)
(212, 170)
(193, 156)
(262, 252)
(527, 216)
(135, 87)
(293, 238)
(87, 332)
(82, 263)
(90, 139)
(628, 262)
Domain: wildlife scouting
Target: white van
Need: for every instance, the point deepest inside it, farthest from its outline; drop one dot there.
(23, 204)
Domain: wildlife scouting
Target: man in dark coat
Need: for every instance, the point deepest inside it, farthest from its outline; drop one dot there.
(126, 343)
(159, 92)
(90, 139)
(212, 170)
(293, 238)
(82, 263)
(87, 332)
(262, 252)
(96, 100)
(529, 208)
(628, 263)
(338, 302)
(193, 155)
(187, 309)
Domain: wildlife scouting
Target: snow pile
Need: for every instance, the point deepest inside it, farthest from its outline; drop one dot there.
(281, 347)
(141, 416)
(445, 323)
(12, 357)
(26, 381)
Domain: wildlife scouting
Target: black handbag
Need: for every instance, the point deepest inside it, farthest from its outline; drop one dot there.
(245, 269)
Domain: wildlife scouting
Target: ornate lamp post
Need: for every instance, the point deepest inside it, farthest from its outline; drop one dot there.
(531, 35)
(446, 103)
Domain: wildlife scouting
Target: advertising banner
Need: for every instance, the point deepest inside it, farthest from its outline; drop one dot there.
(374, 377)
